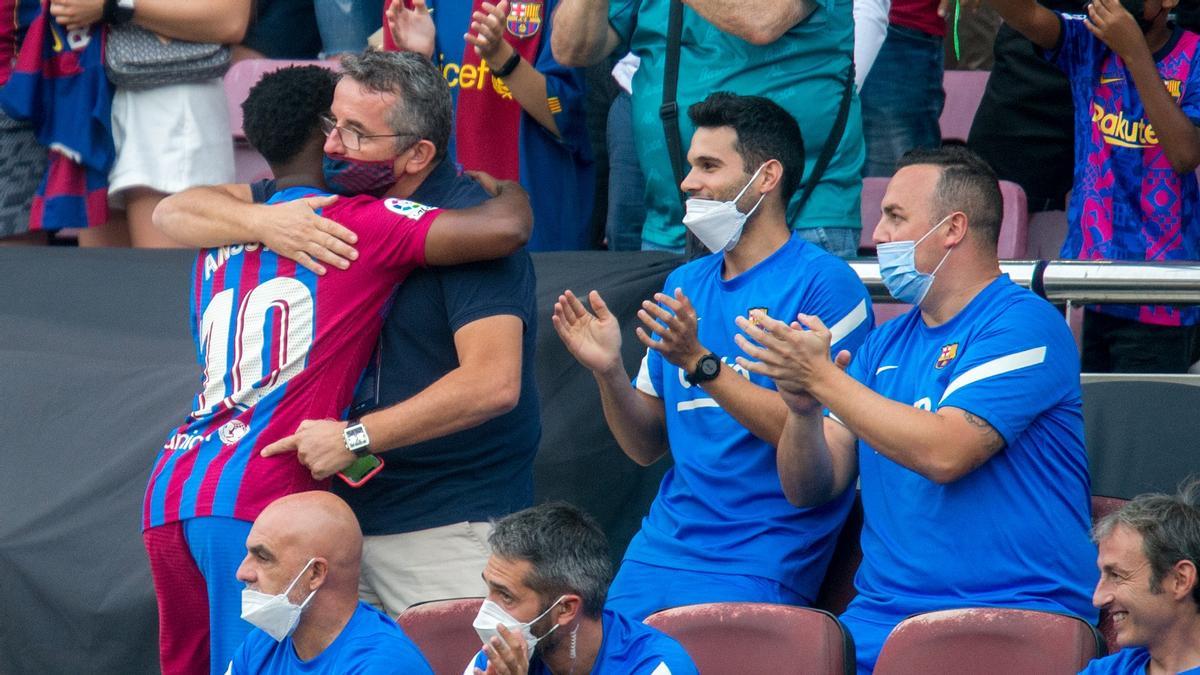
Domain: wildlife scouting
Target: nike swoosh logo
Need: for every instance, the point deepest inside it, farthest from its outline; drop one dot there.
(1110, 80)
(880, 369)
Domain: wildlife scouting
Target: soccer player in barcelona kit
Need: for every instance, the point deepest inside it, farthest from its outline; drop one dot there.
(1136, 90)
(278, 344)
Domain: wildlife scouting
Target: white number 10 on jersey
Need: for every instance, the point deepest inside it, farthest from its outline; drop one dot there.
(249, 378)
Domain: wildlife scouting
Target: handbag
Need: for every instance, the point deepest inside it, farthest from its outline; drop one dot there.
(136, 58)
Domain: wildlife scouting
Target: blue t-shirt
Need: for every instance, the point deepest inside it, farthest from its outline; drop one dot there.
(1128, 203)
(1130, 661)
(627, 648)
(478, 473)
(804, 71)
(721, 507)
(370, 643)
(1013, 532)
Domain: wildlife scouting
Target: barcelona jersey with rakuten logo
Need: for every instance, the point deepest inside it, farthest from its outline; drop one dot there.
(277, 345)
(1128, 203)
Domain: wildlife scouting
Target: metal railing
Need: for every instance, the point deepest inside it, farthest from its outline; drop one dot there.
(1075, 282)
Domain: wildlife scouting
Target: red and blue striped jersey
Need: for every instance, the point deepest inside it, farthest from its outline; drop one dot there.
(277, 345)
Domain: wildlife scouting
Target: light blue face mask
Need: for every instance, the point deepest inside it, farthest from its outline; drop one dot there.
(898, 268)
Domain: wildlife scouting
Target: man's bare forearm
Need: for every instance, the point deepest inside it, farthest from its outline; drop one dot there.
(639, 428)
(758, 22)
(208, 216)
(1177, 135)
(806, 466)
(581, 35)
(757, 408)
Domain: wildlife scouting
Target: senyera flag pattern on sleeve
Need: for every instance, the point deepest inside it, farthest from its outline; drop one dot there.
(277, 345)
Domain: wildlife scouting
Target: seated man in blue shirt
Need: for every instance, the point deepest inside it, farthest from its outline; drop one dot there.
(301, 574)
(1149, 556)
(962, 420)
(721, 529)
(547, 579)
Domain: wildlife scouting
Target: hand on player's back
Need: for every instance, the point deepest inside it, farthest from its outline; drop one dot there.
(295, 231)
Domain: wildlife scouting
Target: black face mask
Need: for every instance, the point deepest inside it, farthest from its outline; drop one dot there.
(1138, 8)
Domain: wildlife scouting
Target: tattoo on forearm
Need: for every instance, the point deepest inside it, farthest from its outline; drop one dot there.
(994, 440)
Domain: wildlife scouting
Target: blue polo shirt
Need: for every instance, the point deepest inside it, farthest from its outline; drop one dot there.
(477, 473)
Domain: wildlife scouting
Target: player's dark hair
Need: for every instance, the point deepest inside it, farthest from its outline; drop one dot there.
(966, 184)
(764, 131)
(284, 109)
(423, 105)
(564, 546)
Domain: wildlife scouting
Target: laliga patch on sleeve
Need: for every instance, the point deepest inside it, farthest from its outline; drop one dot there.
(408, 209)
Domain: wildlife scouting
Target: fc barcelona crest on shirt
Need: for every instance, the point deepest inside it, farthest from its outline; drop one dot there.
(524, 18)
(948, 353)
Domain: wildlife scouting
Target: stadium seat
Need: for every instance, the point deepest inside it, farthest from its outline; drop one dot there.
(984, 641)
(442, 630)
(964, 90)
(731, 638)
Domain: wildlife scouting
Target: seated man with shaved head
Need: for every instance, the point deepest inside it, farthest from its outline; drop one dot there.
(301, 575)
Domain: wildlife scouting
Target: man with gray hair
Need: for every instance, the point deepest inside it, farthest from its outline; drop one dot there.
(547, 581)
(456, 338)
(1149, 556)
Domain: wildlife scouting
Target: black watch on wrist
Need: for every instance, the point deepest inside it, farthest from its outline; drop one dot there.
(508, 66)
(707, 369)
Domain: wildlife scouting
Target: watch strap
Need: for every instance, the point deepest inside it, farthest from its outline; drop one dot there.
(509, 66)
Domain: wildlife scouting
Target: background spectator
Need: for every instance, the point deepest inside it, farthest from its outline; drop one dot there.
(167, 138)
(518, 113)
(1135, 196)
(626, 184)
(902, 97)
(345, 25)
(797, 53)
(282, 29)
(22, 158)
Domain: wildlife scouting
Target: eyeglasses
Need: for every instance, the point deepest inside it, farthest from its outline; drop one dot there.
(349, 137)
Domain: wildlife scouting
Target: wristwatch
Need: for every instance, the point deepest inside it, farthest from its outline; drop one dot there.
(707, 369)
(357, 440)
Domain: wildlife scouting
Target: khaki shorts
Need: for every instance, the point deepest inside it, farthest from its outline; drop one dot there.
(401, 570)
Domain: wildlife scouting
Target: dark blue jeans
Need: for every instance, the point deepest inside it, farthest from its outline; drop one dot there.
(902, 99)
(626, 185)
(345, 25)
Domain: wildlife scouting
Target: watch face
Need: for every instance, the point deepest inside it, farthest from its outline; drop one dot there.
(356, 437)
(710, 367)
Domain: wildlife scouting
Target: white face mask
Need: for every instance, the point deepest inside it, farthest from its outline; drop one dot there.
(274, 614)
(718, 225)
(492, 615)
